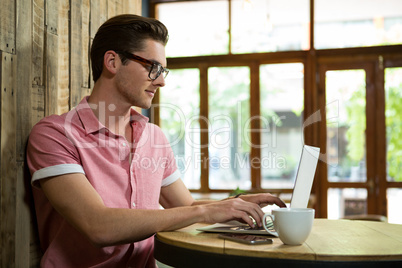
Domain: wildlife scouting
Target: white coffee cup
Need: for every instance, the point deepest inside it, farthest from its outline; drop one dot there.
(293, 225)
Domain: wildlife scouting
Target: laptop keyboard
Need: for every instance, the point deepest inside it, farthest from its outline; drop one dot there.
(270, 227)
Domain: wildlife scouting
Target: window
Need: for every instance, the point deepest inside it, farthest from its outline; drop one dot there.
(266, 26)
(357, 23)
(179, 115)
(229, 143)
(346, 125)
(194, 39)
(393, 117)
(253, 80)
(281, 102)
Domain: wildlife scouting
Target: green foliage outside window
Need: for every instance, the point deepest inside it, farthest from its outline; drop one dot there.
(393, 117)
(356, 109)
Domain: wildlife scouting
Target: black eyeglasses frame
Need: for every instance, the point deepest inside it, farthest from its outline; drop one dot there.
(153, 75)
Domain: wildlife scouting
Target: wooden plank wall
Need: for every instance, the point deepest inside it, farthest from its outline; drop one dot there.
(44, 69)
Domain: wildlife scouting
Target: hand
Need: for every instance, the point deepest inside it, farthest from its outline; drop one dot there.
(238, 209)
(263, 199)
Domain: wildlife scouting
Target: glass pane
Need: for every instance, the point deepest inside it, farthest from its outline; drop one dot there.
(394, 198)
(346, 125)
(282, 104)
(393, 119)
(357, 23)
(346, 202)
(274, 25)
(179, 119)
(229, 111)
(191, 33)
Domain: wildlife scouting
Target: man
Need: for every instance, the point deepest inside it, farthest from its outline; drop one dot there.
(96, 205)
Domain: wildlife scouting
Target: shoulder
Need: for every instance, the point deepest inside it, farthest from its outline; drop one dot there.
(55, 122)
(55, 127)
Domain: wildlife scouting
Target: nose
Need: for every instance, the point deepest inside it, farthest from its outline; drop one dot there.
(160, 81)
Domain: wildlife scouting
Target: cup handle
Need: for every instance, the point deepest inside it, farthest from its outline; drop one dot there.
(264, 220)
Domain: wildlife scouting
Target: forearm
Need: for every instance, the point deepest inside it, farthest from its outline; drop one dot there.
(126, 225)
(210, 201)
(203, 202)
(77, 201)
(111, 226)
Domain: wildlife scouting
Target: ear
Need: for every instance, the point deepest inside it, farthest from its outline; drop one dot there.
(111, 61)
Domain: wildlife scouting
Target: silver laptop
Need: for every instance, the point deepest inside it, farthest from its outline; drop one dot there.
(300, 196)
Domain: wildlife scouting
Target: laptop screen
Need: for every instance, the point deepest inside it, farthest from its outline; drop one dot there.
(305, 177)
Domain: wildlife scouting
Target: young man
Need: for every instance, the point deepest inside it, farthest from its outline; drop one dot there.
(96, 204)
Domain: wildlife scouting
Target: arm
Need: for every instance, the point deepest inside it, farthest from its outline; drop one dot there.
(177, 194)
(78, 202)
(241, 208)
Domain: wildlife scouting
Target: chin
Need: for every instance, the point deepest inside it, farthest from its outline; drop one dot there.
(143, 105)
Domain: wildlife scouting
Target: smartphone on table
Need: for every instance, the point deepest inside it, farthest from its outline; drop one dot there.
(247, 239)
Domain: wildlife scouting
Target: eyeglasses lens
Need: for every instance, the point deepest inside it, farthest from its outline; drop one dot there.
(157, 70)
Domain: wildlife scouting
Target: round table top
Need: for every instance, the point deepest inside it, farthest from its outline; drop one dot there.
(330, 240)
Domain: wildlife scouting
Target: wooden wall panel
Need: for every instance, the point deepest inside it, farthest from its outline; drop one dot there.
(8, 167)
(98, 15)
(63, 57)
(7, 26)
(38, 18)
(37, 60)
(52, 15)
(132, 6)
(51, 85)
(85, 36)
(44, 69)
(24, 81)
(38, 104)
(51, 57)
(24, 204)
(112, 8)
(75, 52)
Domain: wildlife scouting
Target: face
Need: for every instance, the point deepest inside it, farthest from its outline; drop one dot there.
(132, 81)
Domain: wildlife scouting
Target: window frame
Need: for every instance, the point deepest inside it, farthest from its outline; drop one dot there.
(378, 57)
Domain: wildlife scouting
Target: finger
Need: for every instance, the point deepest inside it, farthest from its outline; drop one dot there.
(254, 211)
(279, 202)
(246, 218)
(243, 210)
(271, 199)
(264, 199)
(260, 215)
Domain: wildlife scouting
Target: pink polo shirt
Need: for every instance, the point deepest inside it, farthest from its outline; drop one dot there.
(76, 142)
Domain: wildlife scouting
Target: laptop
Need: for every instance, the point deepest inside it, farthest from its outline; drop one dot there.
(300, 196)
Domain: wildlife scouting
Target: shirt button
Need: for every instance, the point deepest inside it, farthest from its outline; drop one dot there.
(124, 144)
(133, 204)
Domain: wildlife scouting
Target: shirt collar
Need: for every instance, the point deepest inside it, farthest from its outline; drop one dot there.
(91, 123)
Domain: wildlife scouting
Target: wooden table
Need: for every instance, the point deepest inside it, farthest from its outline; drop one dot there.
(331, 243)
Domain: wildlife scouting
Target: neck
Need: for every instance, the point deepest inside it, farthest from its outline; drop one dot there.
(111, 112)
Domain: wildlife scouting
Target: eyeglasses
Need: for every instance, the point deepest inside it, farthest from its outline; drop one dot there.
(156, 68)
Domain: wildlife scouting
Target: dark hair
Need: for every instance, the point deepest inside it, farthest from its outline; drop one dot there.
(124, 33)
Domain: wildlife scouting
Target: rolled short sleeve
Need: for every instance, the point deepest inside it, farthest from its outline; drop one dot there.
(171, 178)
(50, 152)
